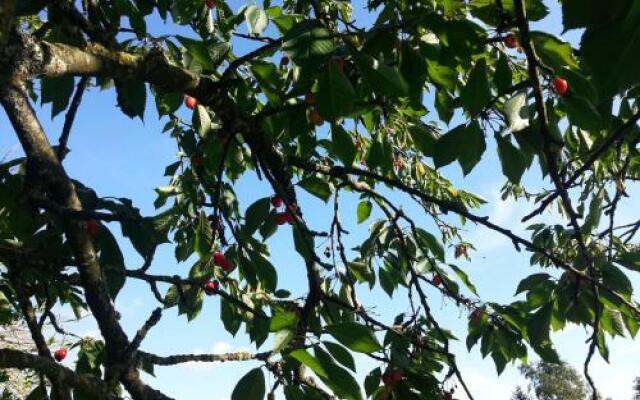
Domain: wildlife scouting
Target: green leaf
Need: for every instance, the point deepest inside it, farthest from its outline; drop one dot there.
(364, 211)
(582, 113)
(111, 261)
(503, 75)
(250, 387)
(230, 317)
(425, 238)
(611, 52)
(357, 337)
(132, 97)
(516, 111)
(476, 94)
(630, 260)
(265, 271)
(552, 51)
(464, 278)
(513, 161)
(282, 319)
(532, 281)
(538, 327)
(57, 91)
(585, 13)
(382, 78)
(317, 187)
(335, 93)
(448, 146)
(343, 145)
(465, 143)
(592, 220)
(256, 19)
(342, 355)
(310, 361)
(472, 147)
(256, 214)
(338, 379)
(201, 121)
(282, 339)
(209, 55)
(487, 11)
(441, 75)
(39, 393)
(425, 138)
(308, 43)
(168, 103)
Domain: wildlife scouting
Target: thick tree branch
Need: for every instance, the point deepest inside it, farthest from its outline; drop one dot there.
(183, 358)
(17, 359)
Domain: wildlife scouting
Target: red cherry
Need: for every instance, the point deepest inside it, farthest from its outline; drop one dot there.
(310, 99)
(476, 315)
(190, 102)
(276, 201)
(397, 376)
(284, 218)
(227, 266)
(461, 250)
(196, 161)
(437, 280)
(511, 41)
(284, 61)
(340, 63)
(387, 379)
(92, 227)
(60, 354)
(561, 86)
(315, 118)
(211, 4)
(211, 288)
(398, 163)
(219, 258)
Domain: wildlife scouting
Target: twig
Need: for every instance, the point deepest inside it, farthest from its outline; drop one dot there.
(71, 116)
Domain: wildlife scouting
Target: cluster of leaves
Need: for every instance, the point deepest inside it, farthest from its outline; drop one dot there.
(368, 84)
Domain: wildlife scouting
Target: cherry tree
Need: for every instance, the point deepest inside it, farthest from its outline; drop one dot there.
(322, 105)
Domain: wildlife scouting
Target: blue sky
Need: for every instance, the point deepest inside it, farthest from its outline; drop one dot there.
(121, 157)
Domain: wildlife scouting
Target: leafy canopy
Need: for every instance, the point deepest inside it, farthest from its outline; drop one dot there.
(325, 105)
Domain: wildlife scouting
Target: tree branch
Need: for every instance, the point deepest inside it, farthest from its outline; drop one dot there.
(17, 359)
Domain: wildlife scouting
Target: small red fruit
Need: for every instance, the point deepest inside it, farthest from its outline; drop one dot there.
(92, 227)
(60, 354)
(190, 102)
(310, 99)
(397, 376)
(284, 61)
(340, 63)
(561, 86)
(391, 377)
(511, 41)
(476, 314)
(315, 118)
(276, 201)
(398, 163)
(461, 250)
(219, 258)
(284, 218)
(211, 4)
(211, 288)
(196, 161)
(437, 280)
